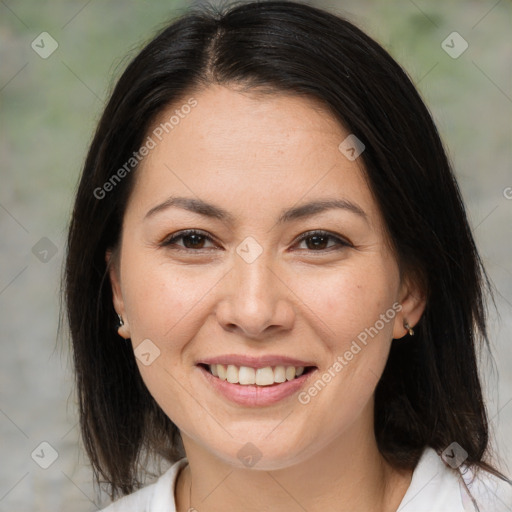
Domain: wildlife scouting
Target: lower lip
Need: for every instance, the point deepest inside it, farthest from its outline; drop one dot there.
(256, 396)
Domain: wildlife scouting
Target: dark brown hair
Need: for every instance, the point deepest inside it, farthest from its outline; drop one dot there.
(430, 392)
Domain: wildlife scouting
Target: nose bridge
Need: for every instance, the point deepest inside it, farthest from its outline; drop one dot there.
(254, 288)
(254, 301)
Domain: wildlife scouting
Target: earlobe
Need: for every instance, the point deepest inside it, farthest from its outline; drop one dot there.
(117, 297)
(413, 302)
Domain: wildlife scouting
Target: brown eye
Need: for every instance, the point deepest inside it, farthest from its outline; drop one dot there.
(318, 241)
(192, 239)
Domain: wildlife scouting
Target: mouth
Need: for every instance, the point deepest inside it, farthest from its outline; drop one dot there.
(248, 376)
(255, 387)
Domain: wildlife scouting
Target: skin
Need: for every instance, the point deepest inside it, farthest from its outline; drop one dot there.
(255, 155)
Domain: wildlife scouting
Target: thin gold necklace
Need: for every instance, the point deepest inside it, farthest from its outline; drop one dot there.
(190, 494)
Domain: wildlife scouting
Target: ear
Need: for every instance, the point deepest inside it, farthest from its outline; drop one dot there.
(412, 298)
(117, 296)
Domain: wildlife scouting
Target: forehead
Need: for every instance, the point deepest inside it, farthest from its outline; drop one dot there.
(248, 149)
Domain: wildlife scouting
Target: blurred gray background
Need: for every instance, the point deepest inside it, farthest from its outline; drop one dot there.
(49, 108)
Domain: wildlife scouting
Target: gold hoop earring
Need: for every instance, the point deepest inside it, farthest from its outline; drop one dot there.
(409, 328)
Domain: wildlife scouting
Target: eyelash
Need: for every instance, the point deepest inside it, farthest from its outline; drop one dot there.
(168, 242)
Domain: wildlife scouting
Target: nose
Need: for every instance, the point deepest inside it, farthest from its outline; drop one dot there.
(257, 301)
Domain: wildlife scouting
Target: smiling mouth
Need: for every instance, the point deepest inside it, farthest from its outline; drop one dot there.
(246, 376)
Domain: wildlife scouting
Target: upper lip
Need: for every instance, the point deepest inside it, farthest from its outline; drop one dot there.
(255, 362)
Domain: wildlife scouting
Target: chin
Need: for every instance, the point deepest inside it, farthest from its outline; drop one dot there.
(263, 454)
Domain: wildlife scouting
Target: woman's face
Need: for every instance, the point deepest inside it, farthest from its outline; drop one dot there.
(250, 174)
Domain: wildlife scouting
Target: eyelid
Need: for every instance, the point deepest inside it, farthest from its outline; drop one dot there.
(183, 233)
(341, 241)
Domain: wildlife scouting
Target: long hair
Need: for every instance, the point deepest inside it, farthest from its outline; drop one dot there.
(430, 393)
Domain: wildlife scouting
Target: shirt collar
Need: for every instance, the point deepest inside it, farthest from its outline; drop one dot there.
(434, 487)
(162, 499)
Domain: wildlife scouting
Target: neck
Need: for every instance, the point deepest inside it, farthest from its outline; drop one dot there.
(347, 475)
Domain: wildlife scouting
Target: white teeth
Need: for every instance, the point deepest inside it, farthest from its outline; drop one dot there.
(245, 375)
(221, 369)
(290, 373)
(264, 376)
(280, 374)
(232, 374)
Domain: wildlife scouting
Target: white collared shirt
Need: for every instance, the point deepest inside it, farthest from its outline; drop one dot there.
(434, 488)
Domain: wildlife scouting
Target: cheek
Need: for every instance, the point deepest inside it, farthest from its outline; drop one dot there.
(348, 302)
(348, 306)
(163, 299)
(165, 304)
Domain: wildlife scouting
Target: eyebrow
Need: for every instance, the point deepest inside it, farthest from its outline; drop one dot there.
(298, 212)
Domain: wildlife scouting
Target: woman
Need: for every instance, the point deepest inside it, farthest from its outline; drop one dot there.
(271, 282)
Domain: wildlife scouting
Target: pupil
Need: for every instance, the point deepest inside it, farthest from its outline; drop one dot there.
(315, 245)
(195, 237)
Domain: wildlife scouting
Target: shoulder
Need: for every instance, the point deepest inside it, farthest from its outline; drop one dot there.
(152, 498)
(437, 487)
